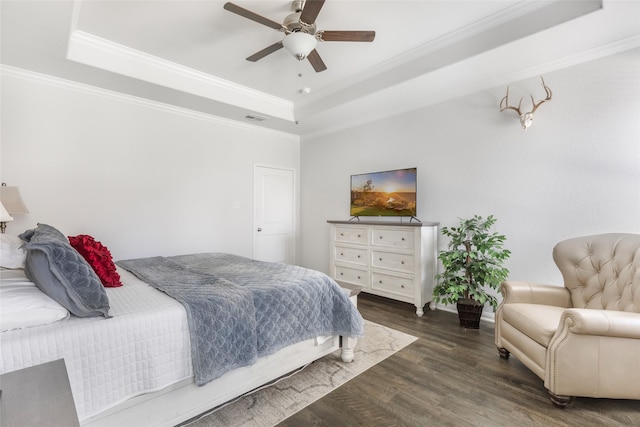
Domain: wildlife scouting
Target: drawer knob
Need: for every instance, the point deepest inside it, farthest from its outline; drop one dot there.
(380, 237)
(379, 259)
(341, 253)
(358, 277)
(380, 281)
(358, 235)
(341, 273)
(342, 234)
(358, 256)
(403, 239)
(402, 286)
(402, 262)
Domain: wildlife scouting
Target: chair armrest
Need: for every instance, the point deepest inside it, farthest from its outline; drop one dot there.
(608, 323)
(535, 293)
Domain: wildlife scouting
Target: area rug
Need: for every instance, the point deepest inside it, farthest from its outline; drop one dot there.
(283, 398)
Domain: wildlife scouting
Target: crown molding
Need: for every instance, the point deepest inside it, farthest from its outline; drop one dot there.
(104, 54)
(483, 81)
(471, 33)
(58, 82)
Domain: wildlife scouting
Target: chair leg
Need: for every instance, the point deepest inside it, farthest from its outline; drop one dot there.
(560, 401)
(504, 353)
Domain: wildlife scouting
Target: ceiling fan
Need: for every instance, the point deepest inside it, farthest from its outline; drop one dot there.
(301, 35)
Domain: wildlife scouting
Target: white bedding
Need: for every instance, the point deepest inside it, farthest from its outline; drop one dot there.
(144, 347)
(23, 305)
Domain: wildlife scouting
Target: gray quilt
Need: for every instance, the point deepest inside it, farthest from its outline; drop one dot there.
(240, 309)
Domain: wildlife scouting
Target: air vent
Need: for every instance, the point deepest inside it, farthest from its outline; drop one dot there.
(254, 117)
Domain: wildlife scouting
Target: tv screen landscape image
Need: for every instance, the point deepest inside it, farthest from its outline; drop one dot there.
(386, 193)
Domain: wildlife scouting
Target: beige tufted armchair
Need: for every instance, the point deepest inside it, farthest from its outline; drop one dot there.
(582, 339)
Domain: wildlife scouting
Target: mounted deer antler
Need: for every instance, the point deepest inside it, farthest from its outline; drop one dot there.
(526, 119)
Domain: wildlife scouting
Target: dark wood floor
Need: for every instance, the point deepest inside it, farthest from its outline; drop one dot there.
(450, 377)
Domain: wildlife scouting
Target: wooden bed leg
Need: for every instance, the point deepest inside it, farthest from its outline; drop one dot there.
(348, 346)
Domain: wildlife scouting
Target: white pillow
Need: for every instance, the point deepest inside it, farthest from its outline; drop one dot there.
(23, 305)
(12, 253)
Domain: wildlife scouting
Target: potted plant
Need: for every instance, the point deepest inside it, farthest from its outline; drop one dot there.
(472, 264)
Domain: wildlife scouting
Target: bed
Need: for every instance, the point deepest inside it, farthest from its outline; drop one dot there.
(136, 363)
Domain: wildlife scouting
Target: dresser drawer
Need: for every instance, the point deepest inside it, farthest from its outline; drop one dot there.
(353, 255)
(352, 235)
(393, 284)
(393, 260)
(385, 237)
(351, 275)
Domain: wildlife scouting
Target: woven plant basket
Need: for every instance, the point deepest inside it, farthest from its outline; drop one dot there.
(469, 313)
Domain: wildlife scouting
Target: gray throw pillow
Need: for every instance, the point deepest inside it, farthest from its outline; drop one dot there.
(62, 273)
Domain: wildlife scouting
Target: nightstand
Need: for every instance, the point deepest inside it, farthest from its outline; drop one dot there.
(37, 396)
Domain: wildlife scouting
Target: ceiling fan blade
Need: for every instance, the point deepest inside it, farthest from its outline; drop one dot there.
(253, 16)
(310, 11)
(264, 52)
(347, 36)
(316, 61)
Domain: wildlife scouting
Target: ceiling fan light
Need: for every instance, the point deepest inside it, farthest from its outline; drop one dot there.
(299, 44)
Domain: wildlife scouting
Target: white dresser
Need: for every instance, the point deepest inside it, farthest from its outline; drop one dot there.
(396, 260)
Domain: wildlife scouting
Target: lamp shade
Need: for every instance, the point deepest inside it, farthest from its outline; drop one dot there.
(299, 44)
(4, 215)
(12, 200)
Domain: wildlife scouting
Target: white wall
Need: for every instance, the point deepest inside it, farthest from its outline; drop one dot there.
(142, 178)
(149, 181)
(576, 171)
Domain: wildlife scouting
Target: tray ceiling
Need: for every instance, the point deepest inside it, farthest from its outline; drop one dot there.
(191, 54)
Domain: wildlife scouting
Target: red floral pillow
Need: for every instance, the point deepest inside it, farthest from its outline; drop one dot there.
(98, 257)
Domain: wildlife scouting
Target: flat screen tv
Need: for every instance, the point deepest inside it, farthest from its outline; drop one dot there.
(386, 193)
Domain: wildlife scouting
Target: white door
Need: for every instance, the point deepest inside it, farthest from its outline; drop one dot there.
(274, 216)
